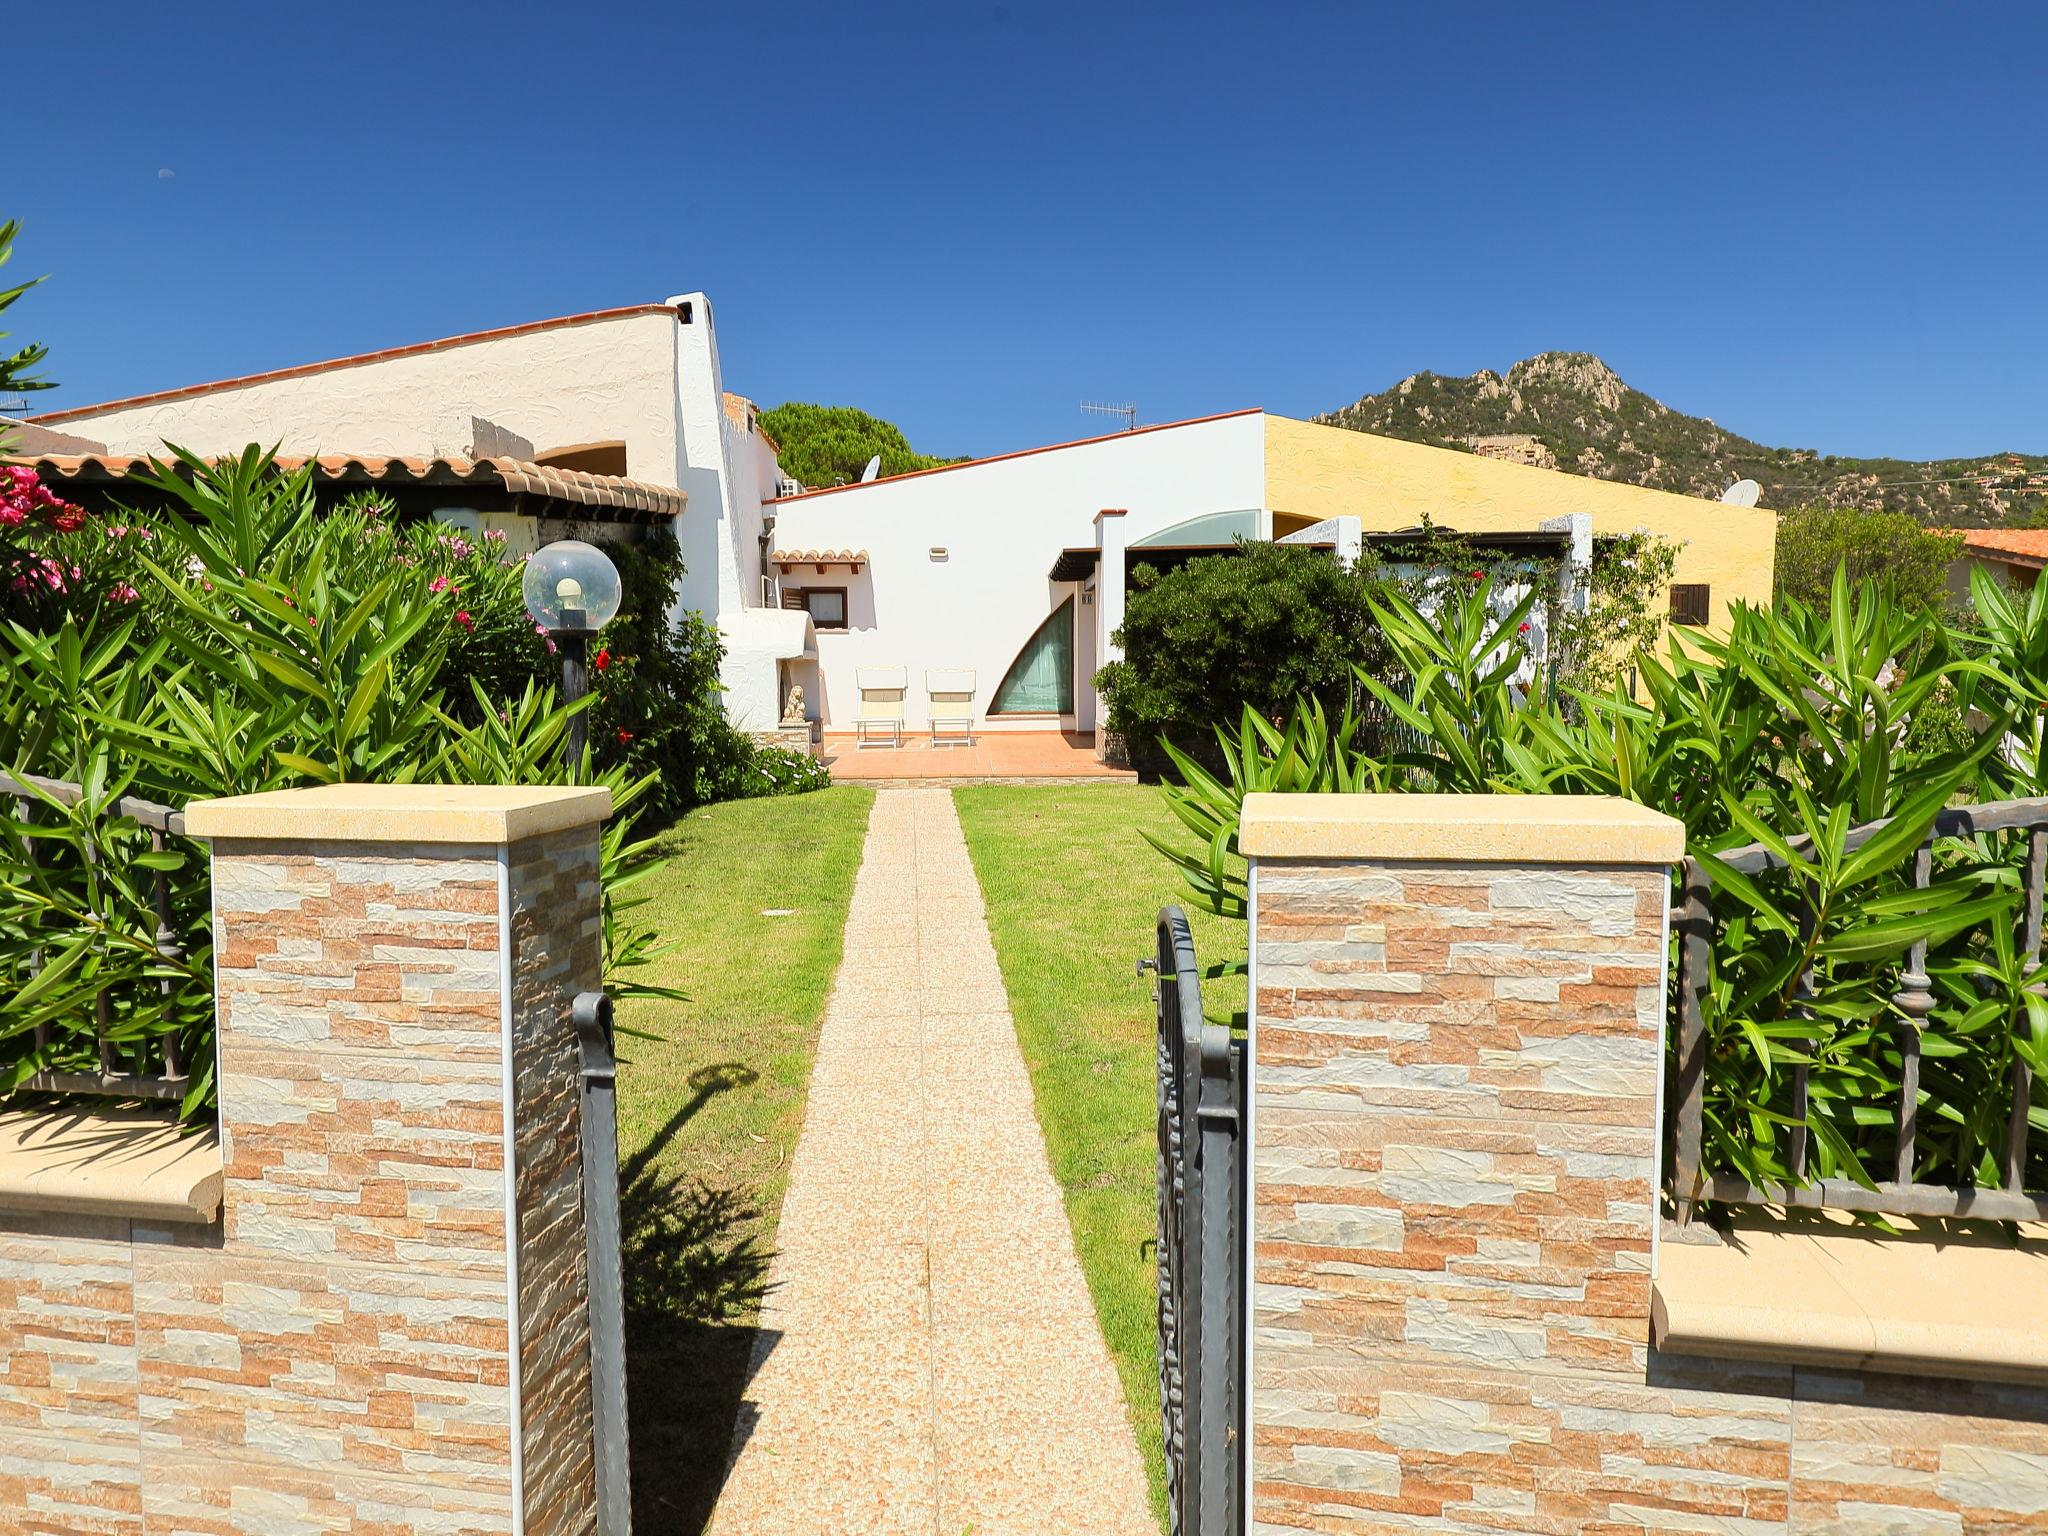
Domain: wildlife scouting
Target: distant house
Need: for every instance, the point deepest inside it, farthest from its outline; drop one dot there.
(2016, 555)
(1012, 567)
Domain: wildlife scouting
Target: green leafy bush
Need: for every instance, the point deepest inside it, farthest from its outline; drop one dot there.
(1886, 547)
(1791, 730)
(1256, 630)
(265, 645)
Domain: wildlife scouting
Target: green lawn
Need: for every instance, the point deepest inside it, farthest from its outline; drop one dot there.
(709, 1114)
(1073, 893)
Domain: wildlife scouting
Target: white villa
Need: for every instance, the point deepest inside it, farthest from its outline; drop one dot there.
(1013, 568)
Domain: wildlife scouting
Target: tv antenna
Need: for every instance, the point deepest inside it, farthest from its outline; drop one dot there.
(1128, 410)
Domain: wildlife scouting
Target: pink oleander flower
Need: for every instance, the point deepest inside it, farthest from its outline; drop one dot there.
(494, 535)
(121, 592)
(442, 584)
(66, 518)
(12, 516)
(464, 621)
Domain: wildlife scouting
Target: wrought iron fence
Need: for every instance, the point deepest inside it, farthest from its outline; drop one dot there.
(144, 1073)
(1901, 1195)
(1202, 1269)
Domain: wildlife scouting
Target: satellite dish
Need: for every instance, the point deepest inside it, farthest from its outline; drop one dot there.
(1743, 493)
(874, 468)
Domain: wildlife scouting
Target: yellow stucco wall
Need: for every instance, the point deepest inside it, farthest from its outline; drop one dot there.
(1317, 472)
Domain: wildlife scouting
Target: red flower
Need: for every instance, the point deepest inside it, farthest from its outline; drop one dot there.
(464, 620)
(1523, 630)
(624, 737)
(602, 659)
(66, 518)
(1479, 575)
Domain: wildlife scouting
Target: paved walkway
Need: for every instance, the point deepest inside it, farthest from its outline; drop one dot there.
(929, 1361)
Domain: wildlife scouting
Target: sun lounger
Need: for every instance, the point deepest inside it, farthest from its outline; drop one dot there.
(950, 692)
(882, 691)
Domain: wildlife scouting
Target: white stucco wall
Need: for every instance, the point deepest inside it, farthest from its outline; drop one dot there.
(651, 379)
(594, 381)
(1003, 522)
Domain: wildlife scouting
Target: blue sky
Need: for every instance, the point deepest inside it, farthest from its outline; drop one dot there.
(1825, 225)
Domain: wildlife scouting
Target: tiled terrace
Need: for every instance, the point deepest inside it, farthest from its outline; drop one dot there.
(1025, 755)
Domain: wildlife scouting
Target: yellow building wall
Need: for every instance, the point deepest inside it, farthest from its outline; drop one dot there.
(1317, 472)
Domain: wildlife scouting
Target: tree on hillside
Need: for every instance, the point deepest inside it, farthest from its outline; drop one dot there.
(14, 367)
(1888, 547)
(831, 444)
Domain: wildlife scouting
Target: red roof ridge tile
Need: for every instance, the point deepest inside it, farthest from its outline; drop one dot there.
(303, 370)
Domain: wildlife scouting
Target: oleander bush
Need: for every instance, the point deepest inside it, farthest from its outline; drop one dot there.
(1791, 729)
(238, 639)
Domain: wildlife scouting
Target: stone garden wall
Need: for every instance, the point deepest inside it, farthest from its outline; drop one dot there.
(385, 1329)
(1457, 1038)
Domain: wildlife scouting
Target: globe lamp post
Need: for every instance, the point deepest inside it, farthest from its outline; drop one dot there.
(572, 591)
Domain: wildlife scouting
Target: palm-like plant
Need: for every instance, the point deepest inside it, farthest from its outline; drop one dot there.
(1790, 731)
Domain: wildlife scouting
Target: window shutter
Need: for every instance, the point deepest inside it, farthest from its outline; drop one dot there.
(1691, 602)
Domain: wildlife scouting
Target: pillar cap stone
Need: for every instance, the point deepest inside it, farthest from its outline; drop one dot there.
(400, 813)
(105, 1162)
(1476, 829)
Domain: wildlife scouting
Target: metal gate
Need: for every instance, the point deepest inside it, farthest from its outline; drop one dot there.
(1201, 1245)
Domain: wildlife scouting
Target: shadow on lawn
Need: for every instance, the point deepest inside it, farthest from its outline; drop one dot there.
(694, 1274)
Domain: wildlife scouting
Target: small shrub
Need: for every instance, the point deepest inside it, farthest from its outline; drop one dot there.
(1887, 548)
(1222, 634)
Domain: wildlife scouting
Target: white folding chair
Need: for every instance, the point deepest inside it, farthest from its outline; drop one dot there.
(950, 707)
(882, 691)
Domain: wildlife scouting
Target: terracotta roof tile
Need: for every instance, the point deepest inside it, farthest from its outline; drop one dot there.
(2026, 544)
(820, 557)
(613, 493)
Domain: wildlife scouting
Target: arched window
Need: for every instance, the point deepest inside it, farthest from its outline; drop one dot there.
(1041, 680)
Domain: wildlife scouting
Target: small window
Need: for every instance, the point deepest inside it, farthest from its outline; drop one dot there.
(827, 606)
(1691, 601)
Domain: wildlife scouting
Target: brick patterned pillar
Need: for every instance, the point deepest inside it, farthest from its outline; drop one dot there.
(1457, 1024)
(392, 1335)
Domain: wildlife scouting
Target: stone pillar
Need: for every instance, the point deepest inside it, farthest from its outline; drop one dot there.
(393, 1333)
(1456, 1040)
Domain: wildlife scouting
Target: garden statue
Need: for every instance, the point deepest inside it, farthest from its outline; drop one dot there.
(793, 706)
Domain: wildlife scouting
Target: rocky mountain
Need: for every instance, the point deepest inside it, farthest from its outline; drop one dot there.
(1570, 411)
